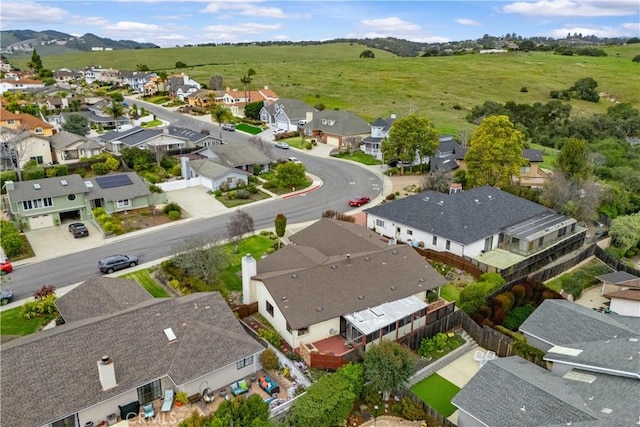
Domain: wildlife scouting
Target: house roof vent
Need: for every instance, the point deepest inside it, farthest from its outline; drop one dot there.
(37, 186)
(294, 276)
(360, 297)
(367, 258)
(394, 252)
(319, 309)
(393, 287)
(333, 267)
(171, 336)
(64, 182)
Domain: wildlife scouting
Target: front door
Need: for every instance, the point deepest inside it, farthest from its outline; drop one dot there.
(488, 244)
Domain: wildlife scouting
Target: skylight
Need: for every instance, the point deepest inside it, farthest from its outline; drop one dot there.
(171, 336)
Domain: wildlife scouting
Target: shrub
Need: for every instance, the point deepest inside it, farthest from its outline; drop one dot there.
(44, 291)
(391, 196)
(272, 337)
(33, 173)
(100, 168)
(269, 359)
(39, 308)
(174, 215)
(252, 179)
(176, 170)
(515, 335)
(12, 244)
(152, 177)
(171, 207)
(243, 194)
(224, 186)
(524, 89)
(517, 316)
(241, 183)
(412, 410)
(308, 145)
(251, 188)
(519, 293)
(231, 195)
(269, 184)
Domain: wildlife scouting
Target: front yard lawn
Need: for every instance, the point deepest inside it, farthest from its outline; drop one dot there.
(152, 124)
(437, 392)
(358, 156)
(231, 203)
(144, 279)
(245, 127)
(254, 245)
(12, 323)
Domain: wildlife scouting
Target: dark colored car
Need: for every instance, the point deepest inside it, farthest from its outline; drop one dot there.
(6, 297)
(359, 201)
(117, 262)
(6, 267)
(78, 229)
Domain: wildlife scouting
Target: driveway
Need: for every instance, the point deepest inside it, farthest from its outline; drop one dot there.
(53, 242)
(197, 202)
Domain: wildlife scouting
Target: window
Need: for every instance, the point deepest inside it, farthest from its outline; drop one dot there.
(123, 203)
(573, 227)
(303, 331)
(410, 232)
(434, 242)
(39, 160)
(379, 223)
(525, 169)
(231, 179)
(448, 246)
(541, 241)
(269, 308)
(37, 203)
(38, 131)
(149, 392)
(11, 122)
(397, 229)
(70, 421)
(247, 361)
(404, 321)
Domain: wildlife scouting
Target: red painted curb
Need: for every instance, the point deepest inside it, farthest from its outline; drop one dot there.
(286, 196)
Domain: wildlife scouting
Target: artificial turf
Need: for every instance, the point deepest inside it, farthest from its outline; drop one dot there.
(437, 392)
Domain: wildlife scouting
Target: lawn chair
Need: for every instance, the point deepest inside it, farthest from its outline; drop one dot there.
(148, 411)
(479, 356)
(490, 355)
(168, 400)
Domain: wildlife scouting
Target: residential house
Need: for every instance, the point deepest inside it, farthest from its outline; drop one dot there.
(7, 85)
(25, 122)
(46, 202)
(18, 147)
(336, 128)
(193, 138)
(379, 131)
(202, 98)
(485, 225)
(340, 282)
(181, 86)
(125, 356)
(235, 100)
(102, 76)
(285, 113)
(619, 281)
(70, 148)
(136, 79)
(212, 174)
(65, 75)
(170, 138)
(625, 303)
(243, 156)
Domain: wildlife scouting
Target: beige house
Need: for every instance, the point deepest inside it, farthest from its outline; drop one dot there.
(70, 148)
(23, 146)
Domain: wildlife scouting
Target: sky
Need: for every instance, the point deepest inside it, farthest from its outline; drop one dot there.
(169, 23)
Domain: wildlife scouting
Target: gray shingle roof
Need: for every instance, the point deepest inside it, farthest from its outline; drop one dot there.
(188, 134)
(54, 372)
(532, 155)
(293, 108)
(562, 322)
(49, 187)
(64, 139)
(133, 137)
(332, 289)
(241, 154)
(211, 169)
(99, 296)
(463, 217)
(346, 123)
(618, 278)
(513, 392)
(137, 188)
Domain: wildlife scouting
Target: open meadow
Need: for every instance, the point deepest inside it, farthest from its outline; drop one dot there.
(441, 88)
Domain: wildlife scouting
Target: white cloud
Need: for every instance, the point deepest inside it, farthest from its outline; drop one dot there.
(389, 25)
(466, 21)
(625, 30)
(92, 21)
(133, 26)
(238, 33)
(395, 27)
(172, 37)
(31, 12)
(237, 5)
(593, 8)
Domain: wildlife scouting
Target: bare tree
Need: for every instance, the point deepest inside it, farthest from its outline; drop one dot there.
(464, 136)
(15, 148)
(201, 257)
(352, 143)
(240, 224)
(438, 181)
(578, 200)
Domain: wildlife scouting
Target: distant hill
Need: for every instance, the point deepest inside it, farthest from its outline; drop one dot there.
(54, 42)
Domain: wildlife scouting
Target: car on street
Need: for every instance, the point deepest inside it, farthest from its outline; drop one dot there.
(6, 267)
(117, 262)
(6, 297)
(78, 229)
(359, 201)
(282, 145)
(229, 126)
(277, 131)
(293, 160)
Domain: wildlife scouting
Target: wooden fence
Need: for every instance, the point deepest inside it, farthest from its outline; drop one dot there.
(603, 256)
(246, 310)
(452, 260)
(446, 323)
(326, 361)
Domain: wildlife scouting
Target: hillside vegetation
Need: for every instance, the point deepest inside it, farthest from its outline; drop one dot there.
(441, 88)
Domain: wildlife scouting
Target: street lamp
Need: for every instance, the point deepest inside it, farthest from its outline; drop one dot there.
(375, 415)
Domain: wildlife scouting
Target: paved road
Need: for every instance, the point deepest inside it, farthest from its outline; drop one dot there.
(341, 180)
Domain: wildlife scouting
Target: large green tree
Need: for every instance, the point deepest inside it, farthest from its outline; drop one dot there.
(36, 62)
(495, 153)
(115, 110)
(240, 411)
(220, 114)
(77, 124)
(387, 366)
(280, 224)
(573, 159)
(625, 231)
(291, 174)
(252, 110)
(410, 137)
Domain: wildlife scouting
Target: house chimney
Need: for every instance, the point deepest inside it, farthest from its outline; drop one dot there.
(184, 167)
(9, 186)
(107, 373)
(309, 116)
(455, 188)
(348, 259)
(249, 269)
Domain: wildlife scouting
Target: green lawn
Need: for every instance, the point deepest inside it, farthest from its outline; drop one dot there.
(11, 323)
(254, 245)
(151, 124)
(549, 156)
(143, 277)
(244, 127)
(451, 293)
(437, 392)
(231, 203)
(359, 157)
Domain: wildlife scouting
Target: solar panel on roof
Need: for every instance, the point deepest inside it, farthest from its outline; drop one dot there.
(113, 181)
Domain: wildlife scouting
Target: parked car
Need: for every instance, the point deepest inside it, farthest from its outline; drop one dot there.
(229, 126)
(6, 297)
(359, 201)
(78, 229)
(116, 262)
(293, 159)
(277, 131)
(6, 267)
(282, 145)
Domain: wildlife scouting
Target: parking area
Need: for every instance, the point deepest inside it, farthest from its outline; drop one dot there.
(53, 242)
(196, 201)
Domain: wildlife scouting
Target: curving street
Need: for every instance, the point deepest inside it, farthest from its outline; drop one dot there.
(342, 180)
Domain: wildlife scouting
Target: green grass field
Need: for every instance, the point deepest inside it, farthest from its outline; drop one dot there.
(333, 74)
(253, 130)
(254, 245)
(144, 279)
(451, 293)
(437, 392)
(11, 323)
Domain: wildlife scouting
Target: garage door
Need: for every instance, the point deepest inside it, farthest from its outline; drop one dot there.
(42, 221)
(282, 124)
(332, 140)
